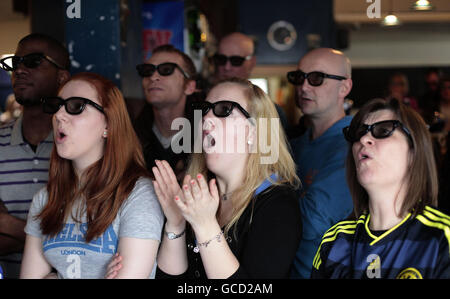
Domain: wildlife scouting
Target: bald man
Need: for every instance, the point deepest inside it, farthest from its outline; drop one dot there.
(322, 81)
(235, 58)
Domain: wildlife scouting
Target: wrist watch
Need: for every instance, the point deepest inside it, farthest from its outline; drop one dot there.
(173, 236)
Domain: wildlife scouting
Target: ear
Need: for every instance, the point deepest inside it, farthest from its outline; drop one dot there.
(346, 87)
(252, 138)
(190, 87)
(63, 77)
(252, 62)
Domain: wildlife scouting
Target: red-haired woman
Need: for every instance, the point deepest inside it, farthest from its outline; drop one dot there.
(99, 199)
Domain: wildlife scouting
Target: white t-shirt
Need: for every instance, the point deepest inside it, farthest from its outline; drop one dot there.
(140, 216)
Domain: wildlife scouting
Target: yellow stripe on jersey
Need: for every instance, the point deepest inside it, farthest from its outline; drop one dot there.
(439, 225)
(346, 227)
(346, 223)
(444, 218)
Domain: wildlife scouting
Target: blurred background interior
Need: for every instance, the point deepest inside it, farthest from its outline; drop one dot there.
(112, 36)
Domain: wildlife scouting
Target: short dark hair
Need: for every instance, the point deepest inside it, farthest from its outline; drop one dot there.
(422, 173)
(188, 64)
(56, 47)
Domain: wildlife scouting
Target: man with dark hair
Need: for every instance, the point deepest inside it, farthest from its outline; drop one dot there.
(39, 67)
(167, 79)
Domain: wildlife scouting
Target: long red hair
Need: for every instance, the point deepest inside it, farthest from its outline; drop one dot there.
(108, 182)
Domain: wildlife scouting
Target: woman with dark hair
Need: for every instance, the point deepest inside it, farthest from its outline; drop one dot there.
(392, 178)
(99, 199)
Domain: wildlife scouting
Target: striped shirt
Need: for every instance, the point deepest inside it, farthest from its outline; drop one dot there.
(23, 172)
(418, 247)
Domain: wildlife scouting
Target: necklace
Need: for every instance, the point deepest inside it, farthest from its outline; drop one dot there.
(225, 196)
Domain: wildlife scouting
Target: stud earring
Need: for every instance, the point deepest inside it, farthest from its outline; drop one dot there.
(249, 142)
(105, 133)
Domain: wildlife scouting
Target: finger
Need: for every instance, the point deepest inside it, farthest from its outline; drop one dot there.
(169, 172)
(113, 272)
(196, 192)
(203, 185)
(158, 176)
(213, 189)
(163, 171)
(110, 275)
(114, 262)
(186, 179)
(187, 195)
(160, 184)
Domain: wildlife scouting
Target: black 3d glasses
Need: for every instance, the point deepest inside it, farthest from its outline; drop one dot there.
(164, 69)
(314, 78)
(379, 130)
(220, 59)
(73, 105)
(220, 108)
(33, 60)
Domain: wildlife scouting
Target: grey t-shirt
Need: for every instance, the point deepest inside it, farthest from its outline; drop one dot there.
(140, 216)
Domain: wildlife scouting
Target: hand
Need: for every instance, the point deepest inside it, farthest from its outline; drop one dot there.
(166, 188)
(113, 267)
(200, 203)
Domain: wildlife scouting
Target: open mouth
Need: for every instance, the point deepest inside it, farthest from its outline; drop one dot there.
(208, 141)
(60, 136)
(363, 156)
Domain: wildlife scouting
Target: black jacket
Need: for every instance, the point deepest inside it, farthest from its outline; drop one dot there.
(264, 248)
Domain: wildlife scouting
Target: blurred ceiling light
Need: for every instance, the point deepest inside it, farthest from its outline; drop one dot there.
(390, 20)
(422, 5)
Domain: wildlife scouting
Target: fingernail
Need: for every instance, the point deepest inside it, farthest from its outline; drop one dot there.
(199, 176)
(186, 187)
(192, 182)
(177, 198)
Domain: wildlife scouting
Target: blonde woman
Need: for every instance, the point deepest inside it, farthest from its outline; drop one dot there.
(236, 215)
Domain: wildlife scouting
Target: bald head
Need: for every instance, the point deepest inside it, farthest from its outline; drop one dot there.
(236, 44)
(329, 61)
(324, 102)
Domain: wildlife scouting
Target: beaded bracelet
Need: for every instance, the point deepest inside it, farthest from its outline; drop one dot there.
(206, 243)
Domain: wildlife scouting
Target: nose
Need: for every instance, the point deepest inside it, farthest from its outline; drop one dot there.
(154, 77)
(209, 121)
(20, 69)
(305, 86)
(228, 65)
(367, 139)
(61, 114)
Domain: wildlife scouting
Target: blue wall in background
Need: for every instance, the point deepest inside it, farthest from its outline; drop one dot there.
(93, 39)
(307, 16)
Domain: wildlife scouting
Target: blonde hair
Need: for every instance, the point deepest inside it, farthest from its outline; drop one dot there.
(259, 106)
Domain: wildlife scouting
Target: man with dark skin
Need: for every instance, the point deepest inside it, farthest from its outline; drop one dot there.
(39, 67)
